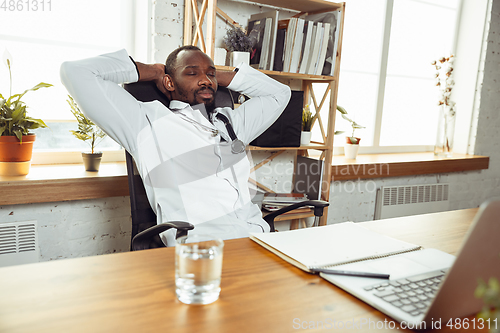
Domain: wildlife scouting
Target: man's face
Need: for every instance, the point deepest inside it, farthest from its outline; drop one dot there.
(194, 79)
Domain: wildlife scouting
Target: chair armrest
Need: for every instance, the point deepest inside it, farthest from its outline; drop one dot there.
(141, 240)
(318, 205)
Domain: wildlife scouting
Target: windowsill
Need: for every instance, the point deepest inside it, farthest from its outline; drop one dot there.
(68, 182)
(403, 164)
(64, 182)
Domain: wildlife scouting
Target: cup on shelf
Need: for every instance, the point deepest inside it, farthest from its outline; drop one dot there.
(198, 268)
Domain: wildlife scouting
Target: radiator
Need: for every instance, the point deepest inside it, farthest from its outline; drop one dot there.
(19, 243)
(396, 201)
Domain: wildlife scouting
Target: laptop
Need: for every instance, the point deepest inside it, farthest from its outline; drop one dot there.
(429, 287)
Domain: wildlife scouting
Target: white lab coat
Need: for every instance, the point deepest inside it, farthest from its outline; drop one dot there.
(189, 174)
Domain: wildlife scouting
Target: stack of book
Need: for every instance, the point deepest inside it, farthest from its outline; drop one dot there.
(276, 201)
(295, 45)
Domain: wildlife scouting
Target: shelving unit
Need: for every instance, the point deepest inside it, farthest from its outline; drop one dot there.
(194, 17)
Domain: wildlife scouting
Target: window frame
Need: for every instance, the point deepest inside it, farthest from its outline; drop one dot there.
(137, 22)
(376, 148)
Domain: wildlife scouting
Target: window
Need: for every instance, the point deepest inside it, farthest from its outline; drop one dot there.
(386, 78)
(40, 40)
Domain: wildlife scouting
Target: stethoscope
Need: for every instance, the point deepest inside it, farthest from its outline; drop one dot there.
(237, 146)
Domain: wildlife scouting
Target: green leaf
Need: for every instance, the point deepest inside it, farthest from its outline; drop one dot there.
(338, 132)
(36, 121)
(19, 112)
(355, 125)
(38, 86)
(87, 130)
(347, 118)
(341, 109)
(2, 129)
(19, 134)
(81, 136)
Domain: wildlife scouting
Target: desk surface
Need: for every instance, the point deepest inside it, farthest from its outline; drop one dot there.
(134, 291)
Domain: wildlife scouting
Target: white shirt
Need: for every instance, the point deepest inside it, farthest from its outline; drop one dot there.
(188, 173)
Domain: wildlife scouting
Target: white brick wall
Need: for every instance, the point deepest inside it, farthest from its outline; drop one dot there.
(77, 228)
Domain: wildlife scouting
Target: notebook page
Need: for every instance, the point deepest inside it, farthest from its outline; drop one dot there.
(331, 245)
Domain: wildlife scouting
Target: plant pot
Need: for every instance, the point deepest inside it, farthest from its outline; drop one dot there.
(352, 140)
(15, 156)
(351, 151)
(305, 138)
(12, 150)
(239, 57)
(92, 161)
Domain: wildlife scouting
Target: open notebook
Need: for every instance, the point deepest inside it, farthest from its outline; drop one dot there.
(331, 245)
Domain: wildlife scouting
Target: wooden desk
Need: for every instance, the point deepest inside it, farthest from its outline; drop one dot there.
(134, 291)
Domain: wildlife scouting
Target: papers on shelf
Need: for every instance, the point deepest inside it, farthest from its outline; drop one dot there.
(275, 201)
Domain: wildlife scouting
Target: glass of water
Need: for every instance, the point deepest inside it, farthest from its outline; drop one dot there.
(198, 268)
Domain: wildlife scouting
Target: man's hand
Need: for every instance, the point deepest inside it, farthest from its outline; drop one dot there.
(153, 72)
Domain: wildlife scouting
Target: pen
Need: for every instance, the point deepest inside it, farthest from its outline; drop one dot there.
(351, 273)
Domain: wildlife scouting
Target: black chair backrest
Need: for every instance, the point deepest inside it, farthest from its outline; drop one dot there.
(143, 216)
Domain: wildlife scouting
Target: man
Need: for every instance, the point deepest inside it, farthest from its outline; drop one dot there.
(191, 165)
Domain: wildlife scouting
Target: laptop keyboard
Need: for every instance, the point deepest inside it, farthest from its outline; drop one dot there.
(413, 294)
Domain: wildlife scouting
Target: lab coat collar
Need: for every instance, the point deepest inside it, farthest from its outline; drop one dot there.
(177, 105)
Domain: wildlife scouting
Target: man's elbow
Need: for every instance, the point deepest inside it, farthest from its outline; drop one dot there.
(284, 96)
(66, 72)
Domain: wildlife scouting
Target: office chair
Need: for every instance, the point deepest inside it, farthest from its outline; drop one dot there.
(145, 231)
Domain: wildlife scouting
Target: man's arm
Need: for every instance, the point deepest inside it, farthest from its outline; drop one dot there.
(93, 83)
(153, 72)
(268, 99)
(224, 78)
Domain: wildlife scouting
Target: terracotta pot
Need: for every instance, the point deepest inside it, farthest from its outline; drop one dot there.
(348, 140)
(12, 150)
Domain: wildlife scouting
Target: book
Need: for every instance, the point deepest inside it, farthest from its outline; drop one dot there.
(324, 46)
(278, 54)
(308, 28)
(311, 50)
(297, 46)
(266, 44)
(284, 198)
(335, 46)
(330, 245)
(271, 33)
(334, 19)
(290, 37)
(256, 32)
(311, 68)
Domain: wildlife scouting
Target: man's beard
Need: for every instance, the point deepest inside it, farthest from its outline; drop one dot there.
(209, 104)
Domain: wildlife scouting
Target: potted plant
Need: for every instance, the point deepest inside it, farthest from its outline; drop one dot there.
(16, 140)
(489, 292)
(307, 123)
(352, 143)
(89, 133)
(239, 44)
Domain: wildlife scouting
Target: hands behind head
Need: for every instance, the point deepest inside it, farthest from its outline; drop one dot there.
(159, 80)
